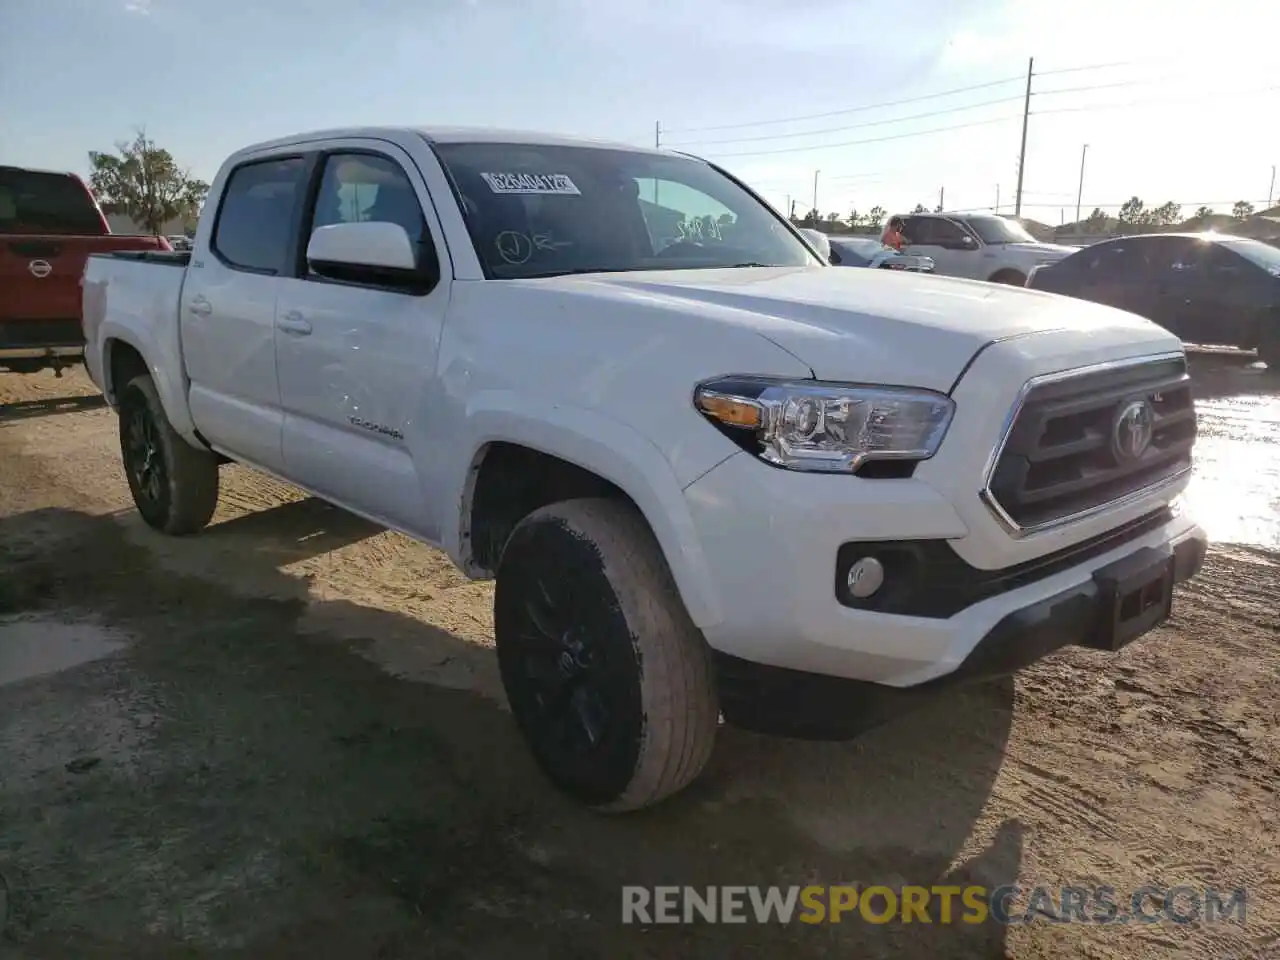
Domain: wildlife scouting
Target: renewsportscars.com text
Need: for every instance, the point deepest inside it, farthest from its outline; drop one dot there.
(936, 904)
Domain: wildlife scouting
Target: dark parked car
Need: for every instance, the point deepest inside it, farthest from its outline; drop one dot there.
(1207, 288)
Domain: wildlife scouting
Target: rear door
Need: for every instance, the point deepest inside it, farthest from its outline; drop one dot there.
(357, 360)
(228, 307)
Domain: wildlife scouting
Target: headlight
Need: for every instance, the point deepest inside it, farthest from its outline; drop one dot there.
(825, 427)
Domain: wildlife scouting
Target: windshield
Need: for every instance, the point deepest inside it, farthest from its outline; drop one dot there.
(1255, 251)
(535, 210)
(999, 230)
(33, 201)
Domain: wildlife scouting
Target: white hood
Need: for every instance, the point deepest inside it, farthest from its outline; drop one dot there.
(877, 326)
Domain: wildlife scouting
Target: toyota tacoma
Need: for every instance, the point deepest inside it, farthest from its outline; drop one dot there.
(717, 480)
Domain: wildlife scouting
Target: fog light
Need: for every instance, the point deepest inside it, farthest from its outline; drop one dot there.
(866, 576)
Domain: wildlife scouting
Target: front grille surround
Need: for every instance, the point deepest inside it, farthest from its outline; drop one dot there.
(1055, 424)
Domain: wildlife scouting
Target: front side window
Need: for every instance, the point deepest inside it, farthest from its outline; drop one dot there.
(255, 220)
(999, 230)
(538, 210)
(361, 188)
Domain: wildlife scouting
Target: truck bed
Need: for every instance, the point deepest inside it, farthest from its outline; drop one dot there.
(40, 278)
(133, 285)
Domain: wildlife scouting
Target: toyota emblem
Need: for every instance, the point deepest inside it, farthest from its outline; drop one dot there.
(1133, 430)
(40, 269)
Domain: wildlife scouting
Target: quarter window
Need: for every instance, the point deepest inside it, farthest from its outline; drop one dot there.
(256, 216)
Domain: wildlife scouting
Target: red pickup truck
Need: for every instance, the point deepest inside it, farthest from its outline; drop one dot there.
(49, 224)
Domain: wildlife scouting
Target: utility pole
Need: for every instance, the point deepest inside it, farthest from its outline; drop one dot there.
(997, 198)
(942, 192)
(815, 197)
(1080, 188)
(1022, 154)
(1271, 189)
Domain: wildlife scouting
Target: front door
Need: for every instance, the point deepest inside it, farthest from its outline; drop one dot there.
(228, 310)
(944, 241)
(357, 362)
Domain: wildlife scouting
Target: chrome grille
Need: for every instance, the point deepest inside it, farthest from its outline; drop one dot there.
(1083, 440)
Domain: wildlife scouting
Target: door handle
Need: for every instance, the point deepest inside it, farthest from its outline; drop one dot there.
(200, 307)
(295, 323)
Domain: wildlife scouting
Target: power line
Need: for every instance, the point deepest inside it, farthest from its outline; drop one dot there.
(1094, 86)
(1110, 206)
(898, 103)
(836, 113)
(1214, 94)
(1086, 68)
(858, 143)
(854, 126)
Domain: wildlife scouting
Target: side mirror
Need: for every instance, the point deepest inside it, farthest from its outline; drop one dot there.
(376, 253)
(966, 243)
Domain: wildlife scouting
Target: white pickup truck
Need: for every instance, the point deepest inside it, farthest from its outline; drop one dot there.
(716, 479)
(978, 246)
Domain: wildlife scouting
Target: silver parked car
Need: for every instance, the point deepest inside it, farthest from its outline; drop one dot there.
(870, 252)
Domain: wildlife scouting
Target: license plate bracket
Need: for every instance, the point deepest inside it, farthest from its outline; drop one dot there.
(1137, 596)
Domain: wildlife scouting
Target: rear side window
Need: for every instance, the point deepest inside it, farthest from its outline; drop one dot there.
(34, 201)
(255, 220)
(1113, 260)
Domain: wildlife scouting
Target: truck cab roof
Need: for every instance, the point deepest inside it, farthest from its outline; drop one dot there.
(443, 134)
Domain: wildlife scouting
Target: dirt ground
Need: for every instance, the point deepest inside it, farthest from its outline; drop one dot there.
(286, 738)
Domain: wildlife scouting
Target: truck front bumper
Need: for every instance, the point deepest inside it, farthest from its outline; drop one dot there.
(798, 655)
(1105, 612)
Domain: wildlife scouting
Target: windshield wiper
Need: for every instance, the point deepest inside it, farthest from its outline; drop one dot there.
(572, 271)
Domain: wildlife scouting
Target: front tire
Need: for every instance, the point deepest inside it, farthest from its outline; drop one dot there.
(1269, 350)
(174, 485)
(1011, 278)
(609, 680)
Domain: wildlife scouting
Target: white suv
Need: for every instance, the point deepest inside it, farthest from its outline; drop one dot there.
(979, 246)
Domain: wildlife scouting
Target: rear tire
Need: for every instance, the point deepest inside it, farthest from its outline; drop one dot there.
(609, 680)
(174, 485)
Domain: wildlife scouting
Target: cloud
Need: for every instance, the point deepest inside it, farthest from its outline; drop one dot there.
(140, 7)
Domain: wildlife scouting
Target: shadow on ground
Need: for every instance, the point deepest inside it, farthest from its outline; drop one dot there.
(226, 786)
(1221, 375)
(24, 409)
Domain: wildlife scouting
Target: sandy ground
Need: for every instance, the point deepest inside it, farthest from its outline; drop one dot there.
(286, 737)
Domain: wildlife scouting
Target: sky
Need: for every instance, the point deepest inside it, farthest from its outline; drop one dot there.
(1176, 100)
